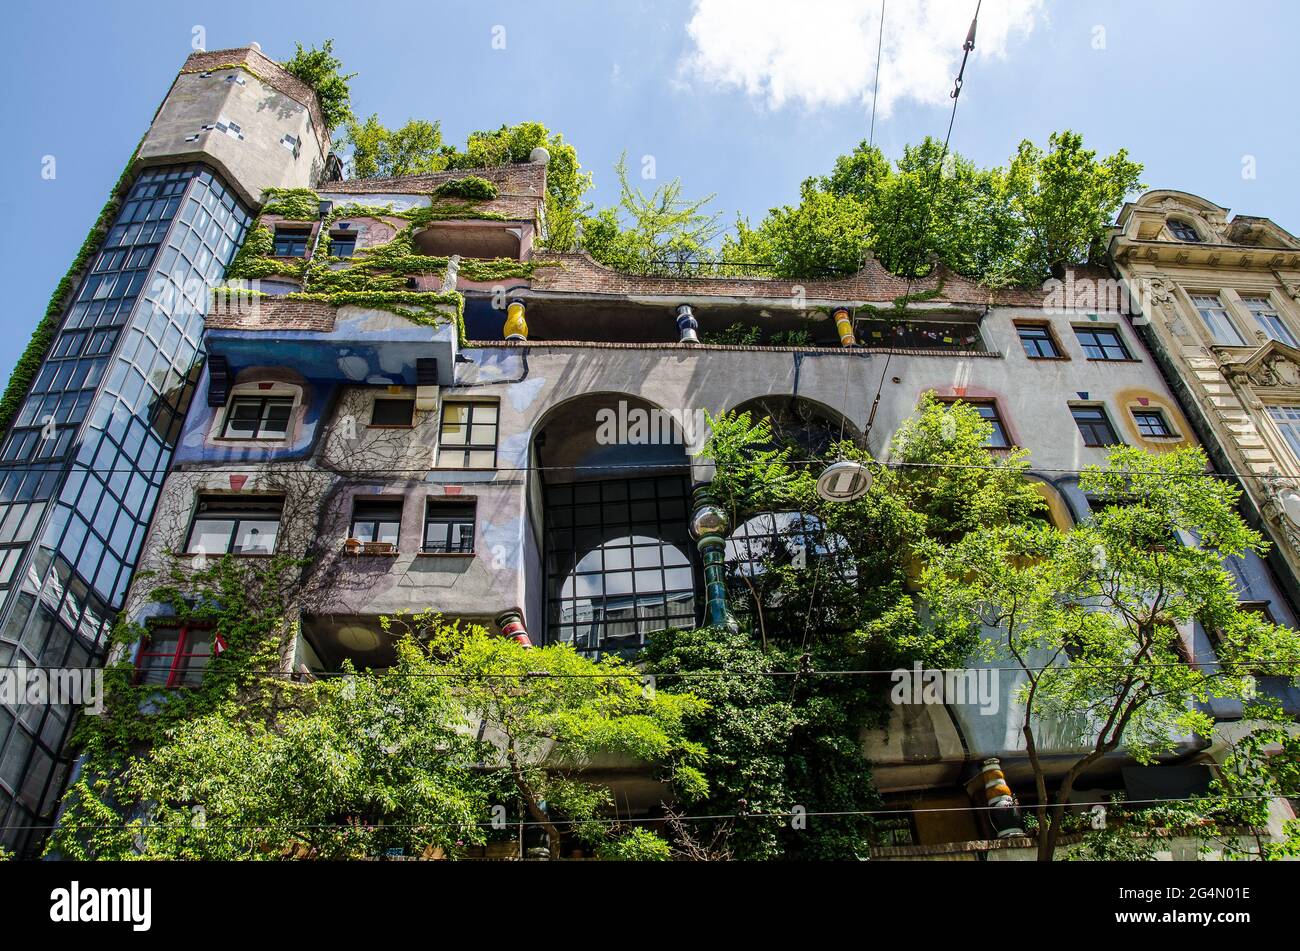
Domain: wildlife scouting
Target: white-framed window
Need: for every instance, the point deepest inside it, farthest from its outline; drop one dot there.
(1215, 317)
(1183, 231)
(1269, 320)
(1287, 420)
(257, 411)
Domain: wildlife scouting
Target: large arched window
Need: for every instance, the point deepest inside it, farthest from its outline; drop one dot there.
(615, 501)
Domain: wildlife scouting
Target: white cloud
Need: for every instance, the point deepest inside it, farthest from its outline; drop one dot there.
(818, 53)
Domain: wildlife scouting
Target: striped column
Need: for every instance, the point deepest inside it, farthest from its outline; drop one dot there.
(844, 327)
(1003, 813)
(709, 524)
(687, 325)
(512, 626)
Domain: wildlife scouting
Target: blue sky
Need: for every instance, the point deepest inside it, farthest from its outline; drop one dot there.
(739, 99)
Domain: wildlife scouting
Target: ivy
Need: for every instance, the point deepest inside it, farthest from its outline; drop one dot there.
(295, 204)
(469, 188)
(29, 364)
(449, 210)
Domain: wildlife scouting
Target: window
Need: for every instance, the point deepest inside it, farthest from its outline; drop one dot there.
(989, 410)
(1094, 426)
(1287, 419)
(258, 417)
(343, 244)
(1152, 423)
(174, 656)
(235, 525)
(1102, 343)
(998, 438)
(1217, 321)
(1183, 231)
(618, 561)
(291, 242)
(376, 520)
(468, 437)
(1038, 342)
(1269, 320)
(448, 527)
(392, 413)
(893, 830)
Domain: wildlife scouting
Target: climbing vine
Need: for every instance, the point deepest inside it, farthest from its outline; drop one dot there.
(470, 188)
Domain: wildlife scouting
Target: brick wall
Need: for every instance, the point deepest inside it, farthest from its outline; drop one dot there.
(579, 273)
(272, 314)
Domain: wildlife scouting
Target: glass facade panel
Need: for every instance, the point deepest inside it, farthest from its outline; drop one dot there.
(618, 562)
(81, 468)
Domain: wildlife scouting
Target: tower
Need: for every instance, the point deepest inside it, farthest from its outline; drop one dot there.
(96, 405)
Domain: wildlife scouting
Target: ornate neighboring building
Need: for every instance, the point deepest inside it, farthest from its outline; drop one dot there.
(1220, 308)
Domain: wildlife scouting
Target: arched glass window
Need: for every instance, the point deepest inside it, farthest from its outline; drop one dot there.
(1183, 231)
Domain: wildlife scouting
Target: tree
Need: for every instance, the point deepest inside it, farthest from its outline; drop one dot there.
(1090, 618)
(377, 152)
(655, 233)
(834, 593)
(566, 182)
(1000, 226)
(321, 70)
(547, 711)
(345, 767)
(1065, 200)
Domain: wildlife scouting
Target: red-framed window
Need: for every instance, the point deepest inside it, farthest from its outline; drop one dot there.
(176, 655)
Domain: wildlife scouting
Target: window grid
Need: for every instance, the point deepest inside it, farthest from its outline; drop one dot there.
(1152, 423)
(1287, 420)
(449, 527)
(235, 526)
(376, 520)
(343, 244)
(123, 364)
(1215, 317)
(174, 656)
(290, 242)
(1038, 342)
(1094, 425)
(1183, 231)
(619, 562)
(467, 438)
(1102, 343)
(1269, 320)
(257, 417)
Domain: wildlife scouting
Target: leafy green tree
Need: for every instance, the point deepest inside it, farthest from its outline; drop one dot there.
(780, 736)
(350, 766)
(322, 70)
(548, 711)
(1013, 225)
(378, 152)
(1262, 765)
(1089, 618)
(566, 182)
(659, 232)
(1065, 199)
(638, 845)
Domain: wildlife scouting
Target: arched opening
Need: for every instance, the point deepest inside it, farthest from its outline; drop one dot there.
(808, 427)
(612, 486)
(764, 547)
